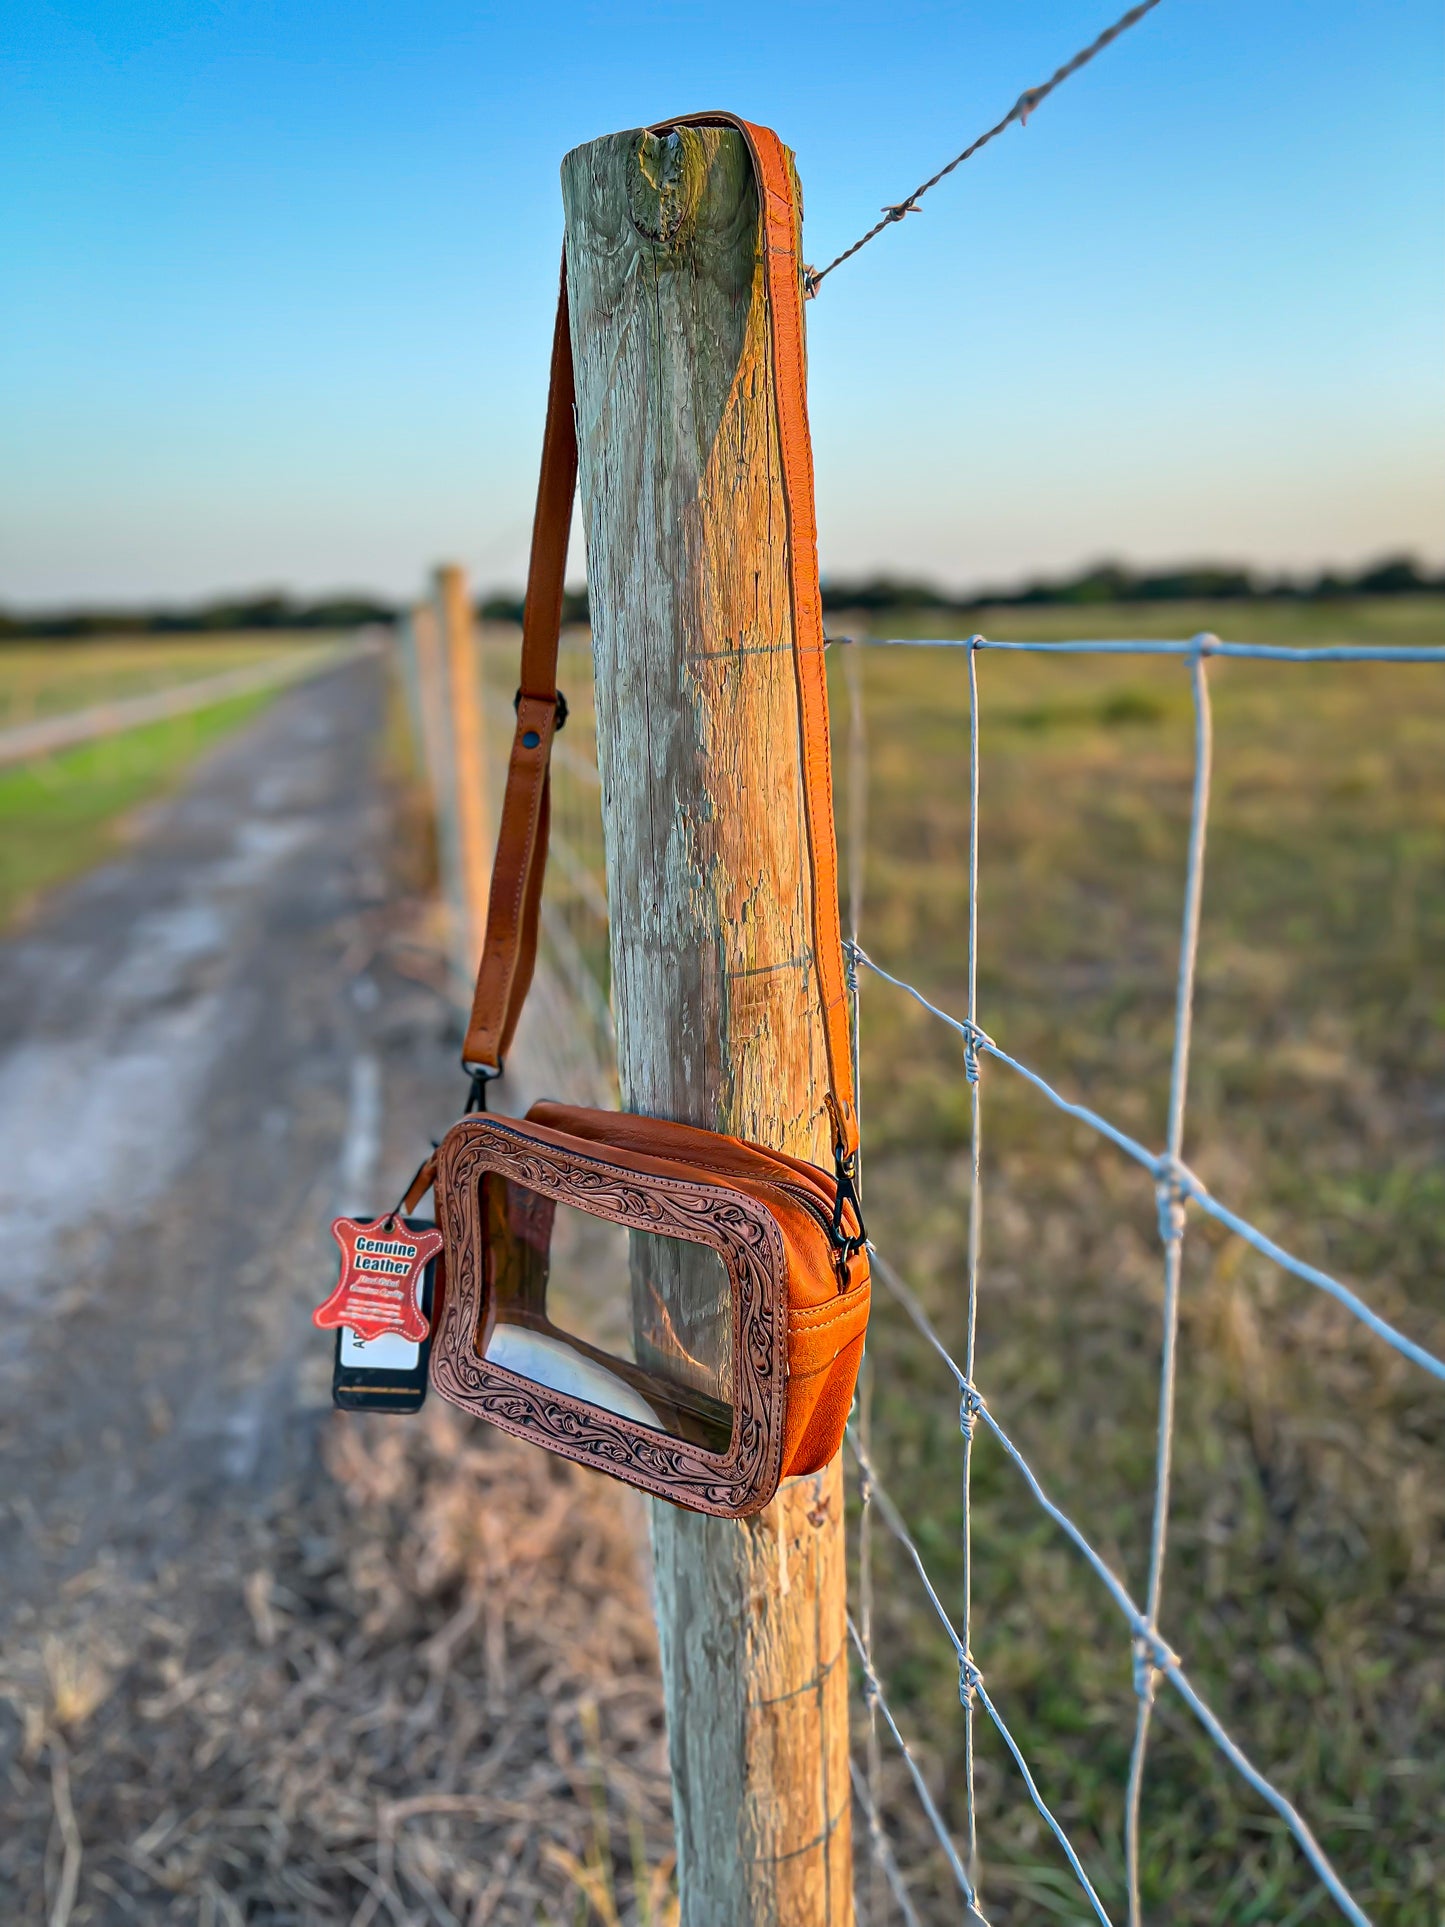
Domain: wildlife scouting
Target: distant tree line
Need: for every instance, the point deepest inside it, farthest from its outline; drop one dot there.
(1104, 582)
(507, 607)
(1117, 582)
(211, 618)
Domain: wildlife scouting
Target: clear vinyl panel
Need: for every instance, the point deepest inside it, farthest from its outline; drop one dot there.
(630, 1321)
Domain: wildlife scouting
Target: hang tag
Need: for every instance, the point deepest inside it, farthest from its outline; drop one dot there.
(388, 1374)
(382, 1263)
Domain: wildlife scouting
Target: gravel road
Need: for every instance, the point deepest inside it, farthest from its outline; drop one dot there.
(202, 1058)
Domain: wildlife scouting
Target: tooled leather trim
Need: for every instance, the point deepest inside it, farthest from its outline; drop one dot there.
(739, 1228)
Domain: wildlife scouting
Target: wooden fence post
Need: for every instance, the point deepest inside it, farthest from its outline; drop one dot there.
(469, 763)
(423, 654)
(714, 995)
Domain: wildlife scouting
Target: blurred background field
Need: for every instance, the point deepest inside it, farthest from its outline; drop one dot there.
(49, 677)
(61, 811)
(1306, 1588)
(1307, 1576)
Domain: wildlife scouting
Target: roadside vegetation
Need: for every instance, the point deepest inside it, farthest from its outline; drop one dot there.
(61, 813)
(53, 678)
(418, 1686)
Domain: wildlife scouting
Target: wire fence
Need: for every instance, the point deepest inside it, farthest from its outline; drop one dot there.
(1177, 1187)
(574, 956)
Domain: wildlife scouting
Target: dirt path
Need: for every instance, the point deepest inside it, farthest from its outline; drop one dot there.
(205, 1054)
(189, 1080)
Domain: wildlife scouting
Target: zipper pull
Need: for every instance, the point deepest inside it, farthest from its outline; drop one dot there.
(846, 1169)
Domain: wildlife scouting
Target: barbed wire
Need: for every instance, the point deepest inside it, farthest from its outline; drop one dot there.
(1027, 101)
(1176, 1186)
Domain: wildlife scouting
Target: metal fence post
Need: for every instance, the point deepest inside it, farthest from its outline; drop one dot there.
(713, 990)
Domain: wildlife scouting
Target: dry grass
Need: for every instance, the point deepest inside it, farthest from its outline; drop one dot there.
(1306, 1586)
(51, 678)
(423, 1689)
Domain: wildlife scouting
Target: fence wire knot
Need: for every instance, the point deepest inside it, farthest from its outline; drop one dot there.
(872, 1692)
(970, 1404)
(975, 1039)
(897, 210)
(969, 1679)
(850, 966)
(1146, 1673)
(1152, 1659)
(1171, 1194)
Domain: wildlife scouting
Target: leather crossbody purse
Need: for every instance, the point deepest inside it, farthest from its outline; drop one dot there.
(744, 1272)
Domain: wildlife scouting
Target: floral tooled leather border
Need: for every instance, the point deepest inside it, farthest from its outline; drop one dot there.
(739, 1229)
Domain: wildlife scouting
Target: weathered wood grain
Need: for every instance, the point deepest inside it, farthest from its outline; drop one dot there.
(715, 1000)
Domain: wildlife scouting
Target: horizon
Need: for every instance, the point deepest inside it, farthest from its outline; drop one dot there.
(282, 288)
(1328, 583)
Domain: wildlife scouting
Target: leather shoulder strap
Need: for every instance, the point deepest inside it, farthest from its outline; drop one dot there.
(509, 954)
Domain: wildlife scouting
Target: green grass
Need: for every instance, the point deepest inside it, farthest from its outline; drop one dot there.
(1306, 1580)
(60, 814)
(1375, 620)
(51, 678)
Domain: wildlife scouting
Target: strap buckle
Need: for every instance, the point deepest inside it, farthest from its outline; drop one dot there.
(846, 1167)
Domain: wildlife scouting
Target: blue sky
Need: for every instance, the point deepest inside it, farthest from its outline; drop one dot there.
(277, 280)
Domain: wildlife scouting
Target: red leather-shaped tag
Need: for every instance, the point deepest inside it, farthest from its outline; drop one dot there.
(381, 1267)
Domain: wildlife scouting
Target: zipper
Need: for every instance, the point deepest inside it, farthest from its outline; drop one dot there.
(820, 1215)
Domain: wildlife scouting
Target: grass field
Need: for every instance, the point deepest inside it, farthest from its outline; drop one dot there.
(59, 814)
(1297, 625)
(1306, 1588)
(51, 678)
